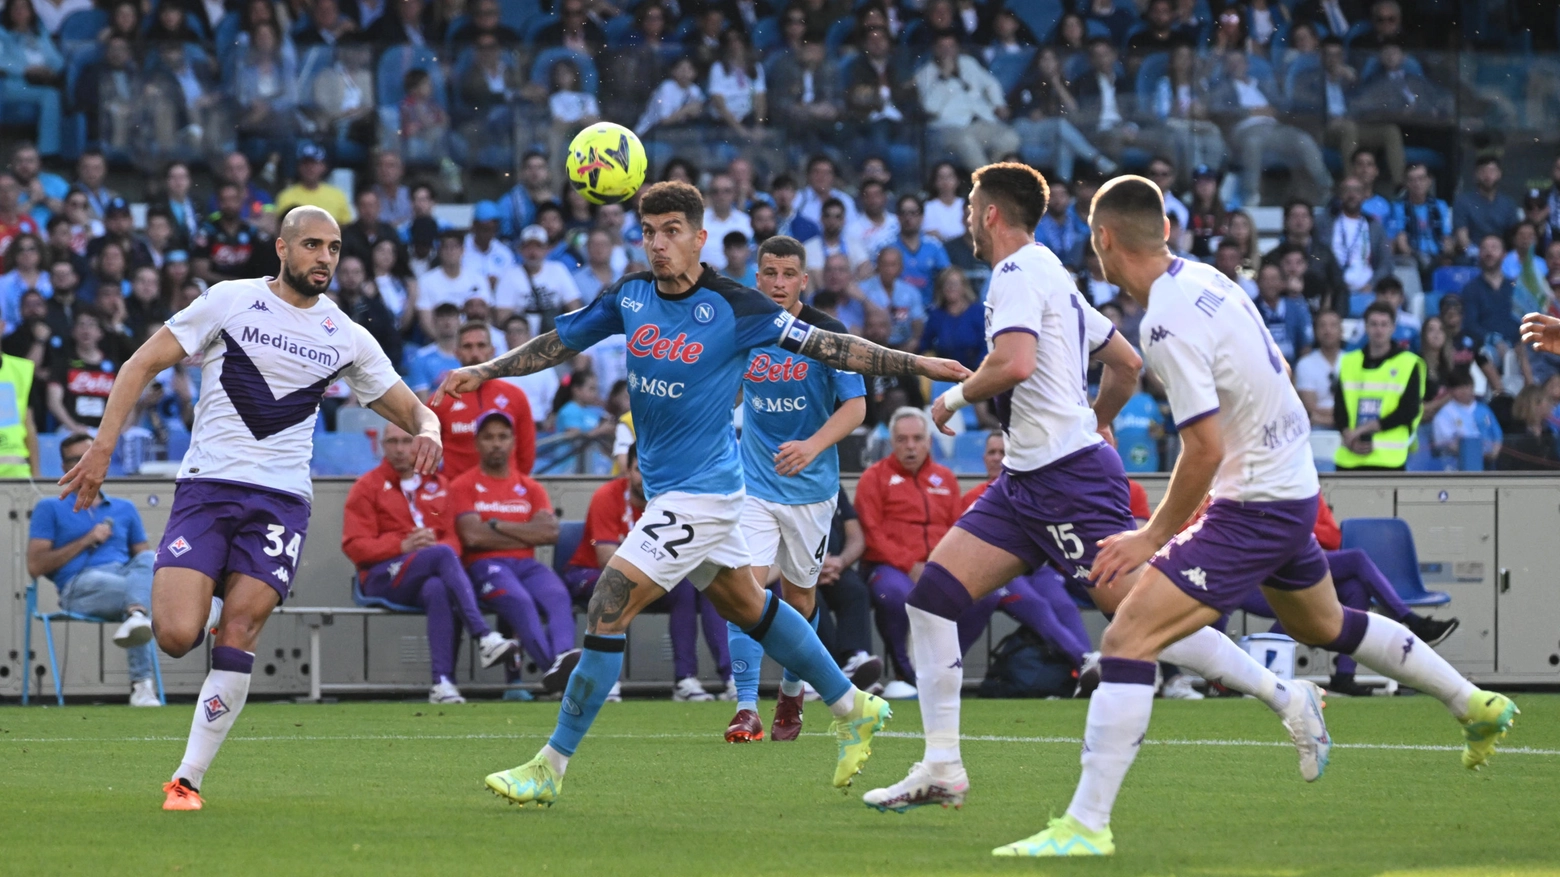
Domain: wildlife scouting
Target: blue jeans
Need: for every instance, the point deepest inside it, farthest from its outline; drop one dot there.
(48, 102)
(108, 592)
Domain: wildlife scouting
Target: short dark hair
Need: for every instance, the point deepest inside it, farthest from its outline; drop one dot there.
(865, 184)
(831, 203)
(1363, 150)
(1382, 308)
(782, 181)
(734, 239)
(524, 321)
(160, 211)
(1292, 203)
(446, 309)
(72, 440)
(1136, 200)
(1450, 301)
(1389, 284)
(453, 234)
(1227, 244)
(819, 158)
(825, 300)
(1332, 40)
(417, 187)
(1460, 376)
(1018, 190)
(782, 247)
(1487, 158)
(915, 199)
(672, 196)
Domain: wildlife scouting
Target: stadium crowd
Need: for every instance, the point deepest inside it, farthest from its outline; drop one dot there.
(850, 126)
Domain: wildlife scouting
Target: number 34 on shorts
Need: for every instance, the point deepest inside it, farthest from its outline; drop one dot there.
(680, 532)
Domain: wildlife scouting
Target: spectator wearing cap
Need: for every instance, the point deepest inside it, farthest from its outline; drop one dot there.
(453, 280)
(311, 187)
(964, 105)
(398, 535)
(501, 516)
(539, 287)
(458, 417)
(482, 250)
(1358, 242)
(362, 235)
(905, 503)
(1206, 217)
(1483, 210)
(722, 217)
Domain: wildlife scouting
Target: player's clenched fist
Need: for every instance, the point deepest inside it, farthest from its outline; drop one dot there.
(458, 381)
(1542, 331)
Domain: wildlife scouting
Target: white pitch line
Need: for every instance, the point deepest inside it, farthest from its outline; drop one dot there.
(971, 738)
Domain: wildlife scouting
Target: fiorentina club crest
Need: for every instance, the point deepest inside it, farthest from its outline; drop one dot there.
(329, 325)
(215, 708)
(179, 547)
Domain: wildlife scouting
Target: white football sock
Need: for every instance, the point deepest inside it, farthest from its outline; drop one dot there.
(791, 687)
(1217, 658)
(222, 697)
(1118, 719)
(1389, 649)
(939, 675)
(558, 760)
(845, 705)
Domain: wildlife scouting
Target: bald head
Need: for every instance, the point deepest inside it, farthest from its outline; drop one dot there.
(1130, 211)
(306, 215)
(309, 247)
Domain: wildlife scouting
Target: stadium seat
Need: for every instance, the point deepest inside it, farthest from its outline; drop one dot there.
(34, 613)
(766, 34)
(1452, 278)
(1148, 75)
(541, 69)
(518, 14)
(837, 34)
(619, 27)
(1390, 544)
(361, 599)
(1040, 16)
(1433, 304)
(569, 535)
(1009, 67)
(82, 26)
(1359, 301)
(536, 25)
(337, 453)
(969, 453)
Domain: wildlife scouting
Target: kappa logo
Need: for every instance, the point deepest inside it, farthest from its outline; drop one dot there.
(458, 406)
(704, 313)
(328, 325)
(395, 569)
(179, 547)
(1011, 266)
(570, 707)
(1408, 646)
(215, 708)
(281, 575)
(1196, 576)
(958, 664)
(1158, 334)
(259, 306)
(895, 480)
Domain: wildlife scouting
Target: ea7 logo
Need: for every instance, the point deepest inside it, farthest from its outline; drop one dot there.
(631, 305)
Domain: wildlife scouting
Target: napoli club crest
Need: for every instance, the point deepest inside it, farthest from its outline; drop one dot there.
(704, 313)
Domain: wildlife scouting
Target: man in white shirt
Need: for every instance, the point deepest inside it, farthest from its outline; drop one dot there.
(1357, 239)
(875, 228)
(964, 105)
(832, 241)
(1317, 370)
(539, 387)
(821, 175)
(721, 217)
(540, 288)
(1242, 104)
(451, 281)
(483, 252)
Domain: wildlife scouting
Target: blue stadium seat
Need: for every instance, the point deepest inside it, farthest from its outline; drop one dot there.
(1357, 30)
(541, 68)
(969, 454)
(1433, 304)
(1359, 301)
(361, 599)
(570, 533)
(1372, 68)
(1008, 68)
(1452, 278)
(82, 27)
(48, 619)
(49, 455)
(1149, 73)
(766, 34)
(337, 453)
(517, 14)
(536, 25)
(1390, 544)
(1302, 65)
(1040, 16)
(837, 34)
(619, 27)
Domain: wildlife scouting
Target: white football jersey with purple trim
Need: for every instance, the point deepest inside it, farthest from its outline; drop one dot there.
(1203, 338)
(1046, 417)
(266, 365)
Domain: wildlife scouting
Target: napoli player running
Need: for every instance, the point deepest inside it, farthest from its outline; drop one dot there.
(1244, 433)
(797, 410)
(690, 332)
(271, 346)
(1061, 488)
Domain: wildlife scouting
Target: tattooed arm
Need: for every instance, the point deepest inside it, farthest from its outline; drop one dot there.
(543, 351)
(859, 355)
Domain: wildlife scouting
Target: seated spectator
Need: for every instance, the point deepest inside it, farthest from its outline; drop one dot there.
(31, 71)
(722, 217)
(944, 211)
(227, 243)
(964, 105)
(880, 92)
(832, 242)
(1358, 242)
(430, 362)
(324, 25)
(630, 72)
(1364, 167)
(925, 257)
(52, 13)
(577, 408)
(540, 288)
(1339, 110)
(454, 281)
(267, 85)
(362, 235)
(1207, 220)
(14, 221)
(41, 193)
(1487, 299)
(1465, 348)
(676, 103)
(1535, 446)
(1422, 225)
(837, 281)
(874, 228)
(1226, 258)
(359, 297)
(481, 251)
(425, 126)
(403, 545)
(787, 221)
(822, 176)
(906, 503)
(614, 509)
(1105, 100)
(501, 516)
(575, 29)
(739, 98)
(806, 94)
(404, 25)
(1483, 210)
(485, 21)
(1464, 418)
(395, 200)
(341, 101)
(311, 187)
(1061, 230)
(1316, 372)
(186, 105)
(1335, 17)
(24, 259)
(1181, 106)
(887, 292)
(394, 281)
(1320, 263)
(1039, 101)
(955, 328)
(1378, 398)
(157, 240)
(81, 374)
(101, 562)
(1116, 19)
(1247, 107)
(1389, 291)
(1525, 266)
(458, 417)
(598, 272)
(1287, 318)
(738, 255)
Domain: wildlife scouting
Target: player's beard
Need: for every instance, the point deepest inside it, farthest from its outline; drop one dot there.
(303, 284)
(982, 242)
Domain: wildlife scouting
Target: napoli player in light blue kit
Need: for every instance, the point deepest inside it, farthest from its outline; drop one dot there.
(795, 411)
(690, 336)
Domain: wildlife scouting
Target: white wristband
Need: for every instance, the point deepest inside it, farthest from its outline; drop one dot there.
(953, 399)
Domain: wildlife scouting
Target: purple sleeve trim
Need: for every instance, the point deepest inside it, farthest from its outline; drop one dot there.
(1196, 417)
(1108, 335)
(1030, 332)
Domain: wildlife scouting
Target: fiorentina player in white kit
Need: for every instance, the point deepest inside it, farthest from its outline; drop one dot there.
(271, 346)
(1061, 490)
(1245, 435)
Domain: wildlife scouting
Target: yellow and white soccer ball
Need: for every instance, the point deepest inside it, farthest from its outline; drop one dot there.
(606, 163)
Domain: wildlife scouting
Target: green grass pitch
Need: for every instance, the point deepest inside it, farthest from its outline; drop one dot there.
(396, 788)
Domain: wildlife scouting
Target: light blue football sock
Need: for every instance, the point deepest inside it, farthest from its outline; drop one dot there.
(601, 663)
(790, 683)
(787, 637)
(747, 656)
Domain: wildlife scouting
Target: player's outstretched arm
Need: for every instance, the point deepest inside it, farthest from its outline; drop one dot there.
(1118, 381)
(400, 406)
(543, 351)
(862, 356)
(161, 351)
(1010, 363)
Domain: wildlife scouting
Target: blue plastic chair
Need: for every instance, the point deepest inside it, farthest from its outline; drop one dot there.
(766, 33)
(362, 599)
(619, 27)
(969, 453)
(1390, 545)
(1040, 16)
(337, 453)
(1359, 301)
(1452, 278)
(541, 68)
(538, 24)
(48, 619)
(570, 534)
(1470, 455)
(1149, 73)
(82, 26)
(1008, 68)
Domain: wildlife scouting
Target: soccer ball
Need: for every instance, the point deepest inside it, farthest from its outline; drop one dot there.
(606, 163)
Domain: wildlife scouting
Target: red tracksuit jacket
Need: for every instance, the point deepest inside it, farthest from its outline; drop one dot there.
(378, 516)
(903, 516)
